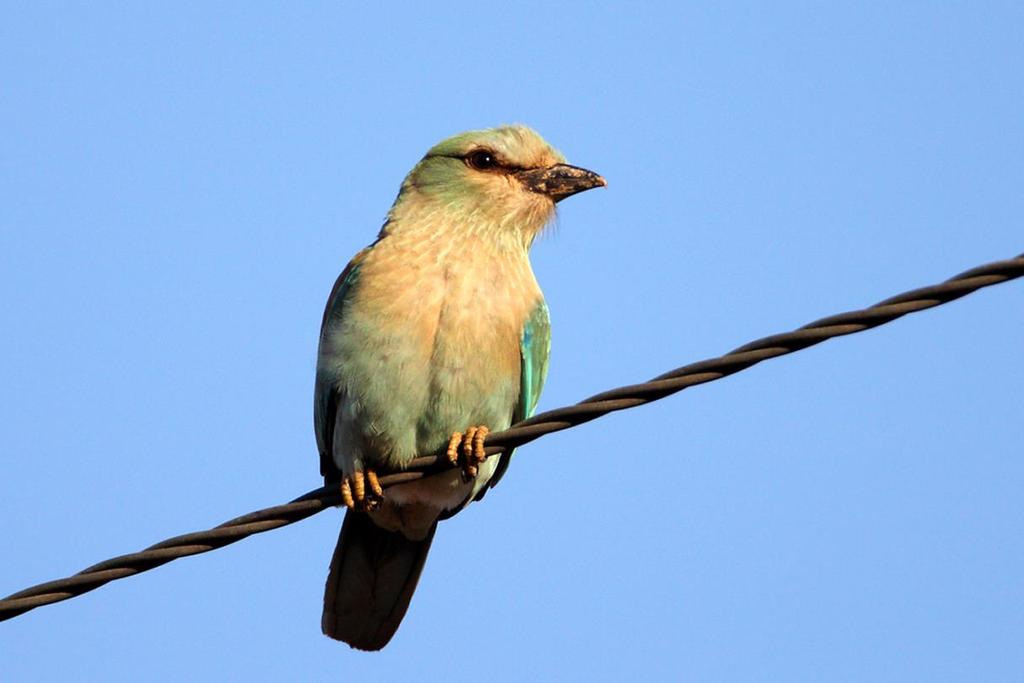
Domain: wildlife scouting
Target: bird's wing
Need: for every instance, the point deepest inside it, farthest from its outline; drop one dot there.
(325, 394)
(534, 347)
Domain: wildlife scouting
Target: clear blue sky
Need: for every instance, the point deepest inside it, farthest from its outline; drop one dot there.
(179, 187)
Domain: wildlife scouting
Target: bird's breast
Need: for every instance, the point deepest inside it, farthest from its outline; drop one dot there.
(439, 327)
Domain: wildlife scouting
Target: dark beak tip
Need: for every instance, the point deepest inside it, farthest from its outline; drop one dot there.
(592, 179)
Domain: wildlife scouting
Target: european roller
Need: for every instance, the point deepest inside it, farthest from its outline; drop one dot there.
(434, 335)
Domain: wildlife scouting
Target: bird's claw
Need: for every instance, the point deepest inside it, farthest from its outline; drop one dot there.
(361, 491)
(466, 451)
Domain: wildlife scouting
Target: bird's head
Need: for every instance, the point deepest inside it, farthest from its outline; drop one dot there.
(504, 180)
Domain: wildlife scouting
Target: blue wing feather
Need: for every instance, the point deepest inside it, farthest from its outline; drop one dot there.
(535, 349)
(325, 393)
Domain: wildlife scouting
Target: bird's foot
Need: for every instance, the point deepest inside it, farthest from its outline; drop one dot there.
(361, 491)
(466, 451)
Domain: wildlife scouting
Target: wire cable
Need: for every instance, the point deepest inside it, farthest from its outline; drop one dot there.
(521, 433)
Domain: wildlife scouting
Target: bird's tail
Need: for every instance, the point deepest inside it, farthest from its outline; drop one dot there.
(372, 578)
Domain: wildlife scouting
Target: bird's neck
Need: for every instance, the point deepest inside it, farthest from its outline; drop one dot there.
(512, 230)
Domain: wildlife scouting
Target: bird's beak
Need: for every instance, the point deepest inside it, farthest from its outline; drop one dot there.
(559, 181)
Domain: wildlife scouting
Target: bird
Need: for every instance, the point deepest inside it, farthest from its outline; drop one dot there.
(433, 336)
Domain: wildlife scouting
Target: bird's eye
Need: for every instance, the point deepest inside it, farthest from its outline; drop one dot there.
(482, 160)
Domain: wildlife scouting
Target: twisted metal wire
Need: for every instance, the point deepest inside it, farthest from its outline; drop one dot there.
(521, 433)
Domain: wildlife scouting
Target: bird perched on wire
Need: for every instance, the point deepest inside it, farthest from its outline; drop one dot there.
(433, 335)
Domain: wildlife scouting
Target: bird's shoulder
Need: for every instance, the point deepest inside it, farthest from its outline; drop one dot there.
(343, 286)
